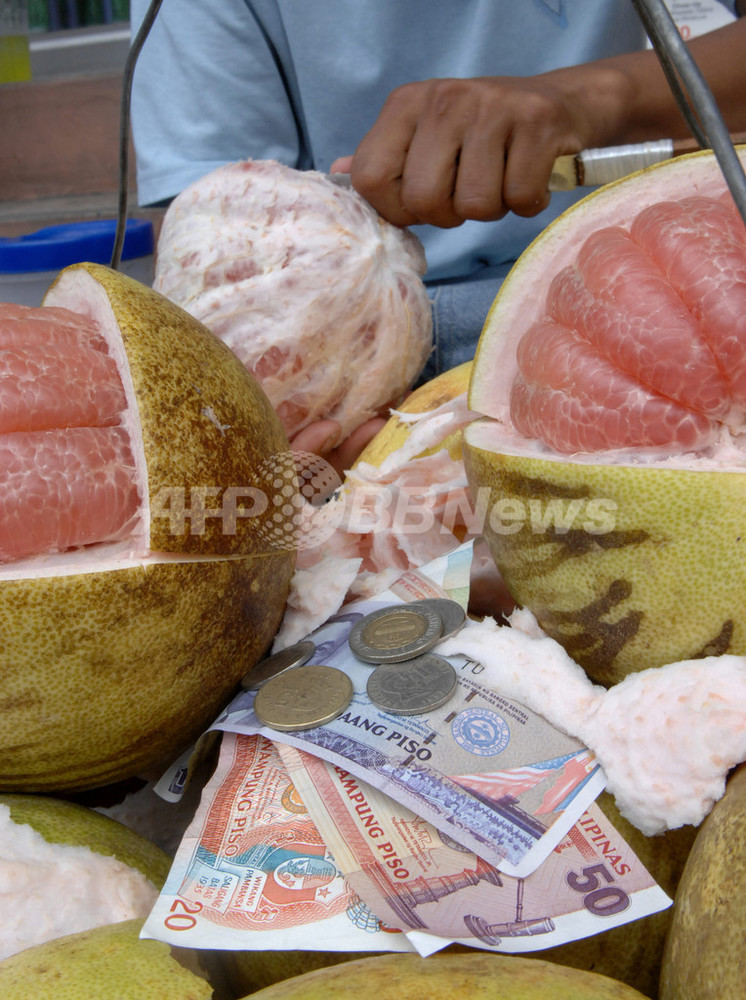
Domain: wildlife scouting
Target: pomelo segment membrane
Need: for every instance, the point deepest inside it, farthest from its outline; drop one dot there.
(642, 338)
(25, 327)
(67, 473)
(58, 388)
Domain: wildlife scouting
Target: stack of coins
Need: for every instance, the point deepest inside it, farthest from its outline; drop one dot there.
(407, 679)
(278, 663)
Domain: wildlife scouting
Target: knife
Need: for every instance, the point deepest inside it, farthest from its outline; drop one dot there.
(600, 166)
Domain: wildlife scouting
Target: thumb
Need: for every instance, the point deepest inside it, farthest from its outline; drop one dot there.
(342, 165)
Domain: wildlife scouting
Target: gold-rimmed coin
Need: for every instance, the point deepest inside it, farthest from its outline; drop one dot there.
(395, 633)
(271, 666)
(412, 688)
(451, 613)
(304, 698)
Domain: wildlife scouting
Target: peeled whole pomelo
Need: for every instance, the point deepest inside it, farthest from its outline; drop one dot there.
(67, 869)
(105, 963)
(119, 651)
(318, 295)
(611, 373)
(475, 975)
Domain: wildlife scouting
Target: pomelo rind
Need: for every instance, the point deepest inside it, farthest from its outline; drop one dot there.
(74, 869)
(107, 675)
(109, 963)
(429, 396)
(650, 570)
(61, 822)
(194, 408)
(477, 975)
(703, 954)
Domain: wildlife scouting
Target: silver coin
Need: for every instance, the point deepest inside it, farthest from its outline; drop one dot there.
(304, 698)
(412, 688)
(395, 633)
(286, 659)
(451, 612)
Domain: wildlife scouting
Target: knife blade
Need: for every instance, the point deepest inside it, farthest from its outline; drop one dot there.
(600, 166)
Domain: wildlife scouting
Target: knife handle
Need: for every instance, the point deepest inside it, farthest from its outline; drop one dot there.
(610, 163)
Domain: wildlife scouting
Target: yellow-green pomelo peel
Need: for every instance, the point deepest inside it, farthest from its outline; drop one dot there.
(204, 422)
(439, 390)
(476, 976)
(703, 959)
(61, 822)
(108, 963)
(246, 972)
(651, 568)
(116, 659)
(629, 560)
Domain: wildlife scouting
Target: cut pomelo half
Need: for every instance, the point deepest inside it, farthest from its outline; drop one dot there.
(122, 642)
(610, 369)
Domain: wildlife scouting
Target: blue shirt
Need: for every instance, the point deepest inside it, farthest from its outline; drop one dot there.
(302, 81)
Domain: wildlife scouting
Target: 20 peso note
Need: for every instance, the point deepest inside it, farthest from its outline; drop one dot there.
(253, 873)
(416, 879)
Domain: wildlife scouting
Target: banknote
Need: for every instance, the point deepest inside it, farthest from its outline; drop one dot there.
(253, 873)
(484, 770)
(416, 879)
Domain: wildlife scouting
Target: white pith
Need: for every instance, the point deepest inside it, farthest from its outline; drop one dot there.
(78, 291)
(50, 890)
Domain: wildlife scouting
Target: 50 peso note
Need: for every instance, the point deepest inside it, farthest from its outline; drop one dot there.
(416, 879)
(253, 873)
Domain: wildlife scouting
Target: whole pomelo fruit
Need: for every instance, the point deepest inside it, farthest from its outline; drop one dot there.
(612, 374)
(73, 869)
(703, 958)
(117, 655)
(247, 972)
(476, 975)
(106, 963)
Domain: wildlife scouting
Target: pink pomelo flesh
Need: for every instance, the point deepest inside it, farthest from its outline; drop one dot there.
(642, 338)
(66, 464)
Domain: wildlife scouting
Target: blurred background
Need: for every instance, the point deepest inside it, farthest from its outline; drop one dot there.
(61, 67)
(53, 15)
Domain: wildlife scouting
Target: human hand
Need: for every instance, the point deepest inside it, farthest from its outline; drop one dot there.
(443, 151)
(322, 438)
